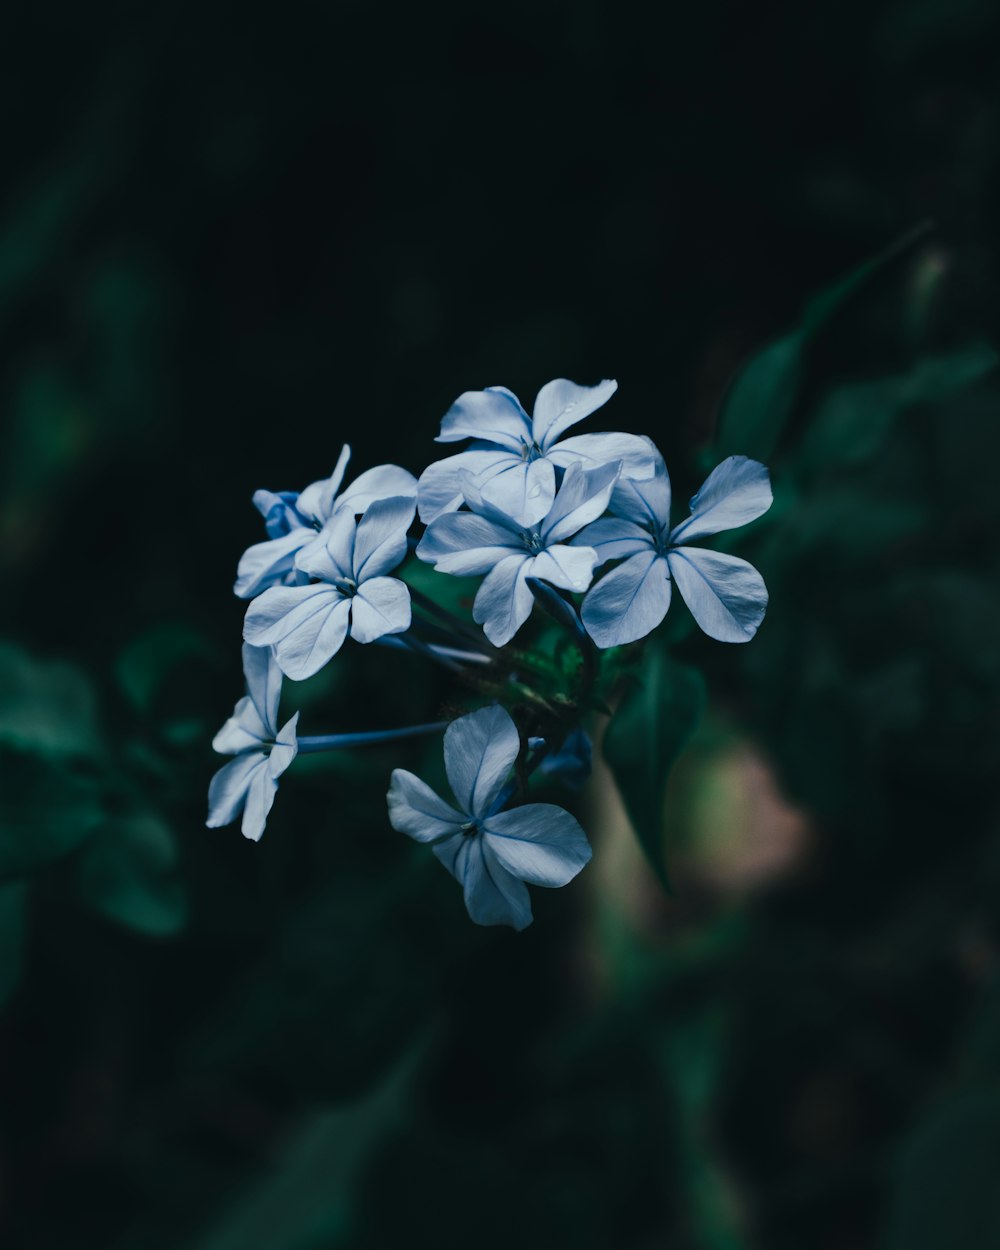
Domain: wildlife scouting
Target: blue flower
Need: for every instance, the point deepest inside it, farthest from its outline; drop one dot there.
(726, 595)
(249, 783)
(488, 540)
(491, 852)
(307, 625)
(514, 457)
(292, 521)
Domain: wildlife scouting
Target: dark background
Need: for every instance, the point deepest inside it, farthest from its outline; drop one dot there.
(232, 239)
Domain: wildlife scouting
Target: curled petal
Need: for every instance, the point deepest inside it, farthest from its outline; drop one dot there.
(414, 809)
(278, 509)
(263, 677)
(440, 487)
(504, 600)
(381, 538)
(582, 497)
(561, 403)
(629, 602)
(479, 752)
(385, 481)
(613, 539)
(270, 563)
(570, 568)
(330, 555)
(494, 414)
(538, 843)
(637, 454)
(381, 606)
(736, 492)
(306, 625)
(522, 490)
(645, 501)
(726, 595)
(317, 500)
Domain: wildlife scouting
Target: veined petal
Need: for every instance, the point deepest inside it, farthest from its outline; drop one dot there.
(492, 894)
(440, 487)
(244, 731)
(582, 497)
(381, 606)
(504, 600)
(415, 809)
(464, 543)
(726, 595)
(258, 804)
(637, 453)
(306, 625)
(317, 500)
(269, 563)
(629, 602)
(538, 843)
(736, 492)
(285, 749)
(613, 539)
(227, 791)
(381, 539)
(494, 414)
(385, 481)
(645, 501)
(561, 403)
(479, 752)
(523, 490)
(571, 568)
(330, 556)
(263, 678)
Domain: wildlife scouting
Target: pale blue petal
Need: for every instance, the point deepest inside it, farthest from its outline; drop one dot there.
(726, 595)
(504, 600)
(451, 852)
(279, 511)
(560, 404)
(636, 453)
(381, 606)
(330, 556)
(306, 625)
(414, 809)
(570, 568)
(479, 752)
(380, 544)
(645, 501)
(285, 749)
(477, 501)
(571, 764)
(263, 678)
(492, 894)
(269, 563)
(440, 487)
(464, 543)
(736, 492)
(494, 414)
(227, 791)
(317, 500)
(523, 490)
(244, 731)
(258, 804)
(582, 497)
(385, 481)
(538, 843)
(613, 539)
(629, 602)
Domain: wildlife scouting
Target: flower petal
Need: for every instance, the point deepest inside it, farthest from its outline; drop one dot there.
(385, 481)
(414, 809)
(523, 490)
(726, 595)
(561, 403)
(259, 801)
(492, 894)
(278, 509)
(317, 500)
(285, 749)
(244, 731)
(494, 414)
(381, 606)
(381, 539)
(582, 497)
(637, 453)
(269, 563)
(629, 602)
(263, 678)
(613, 538)
(571, 568)
(306, 625)
(539, 843)
(440, 487)
(330, 555)
(479, 752)
(464, 543)
(645, 501)
(736, 492)
(504, 600)
(227, 791)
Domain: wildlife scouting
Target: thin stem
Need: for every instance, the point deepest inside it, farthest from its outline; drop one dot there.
(334, 742)
(455, 623)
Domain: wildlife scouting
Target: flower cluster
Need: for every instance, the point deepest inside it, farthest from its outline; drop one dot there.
(579, 526)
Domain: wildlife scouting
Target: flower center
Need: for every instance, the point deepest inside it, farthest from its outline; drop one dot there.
(529, 451)
(469, 829)
(532, 541)
(346, 586)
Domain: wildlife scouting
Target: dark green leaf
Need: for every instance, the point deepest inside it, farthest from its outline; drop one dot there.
(146, 664)
(46, 811)
(653, 723)
(46, 706)
(128, 874)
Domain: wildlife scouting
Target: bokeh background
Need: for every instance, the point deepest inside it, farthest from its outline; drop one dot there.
(233, 238)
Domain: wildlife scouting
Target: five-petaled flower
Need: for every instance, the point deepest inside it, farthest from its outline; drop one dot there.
(514, 457)
(292, 520)
(249, 783)
(726, 595)
(488, 540)
(490, 851)
(307, 625)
